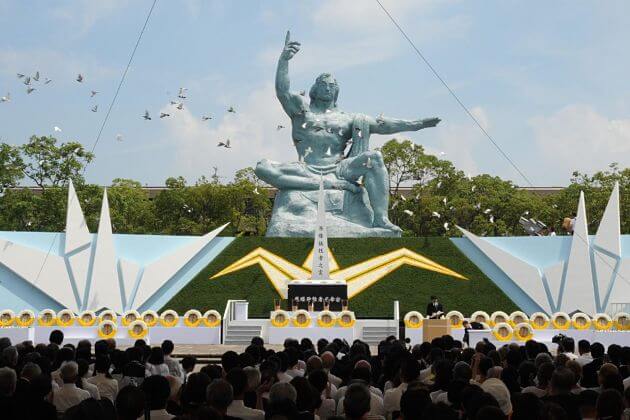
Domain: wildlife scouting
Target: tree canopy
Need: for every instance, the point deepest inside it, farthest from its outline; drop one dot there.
(442, 196)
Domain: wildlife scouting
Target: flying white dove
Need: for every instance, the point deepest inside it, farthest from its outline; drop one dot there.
(445, 225)
(394, 205)
(256, 191)
(30, 90)
(57, 129)
(27, 81)
(491, 219)
(164, 114)
(95, 108)
(182, 93)
(119, 137)
(444, 200)
(20, 75)
(302, 93)
(6, 98)
(408, 212)
(279, 127)
(436, 214)
(92, 93)
(180, 106)
(146, 115)
(36, 77)
(79, 78)
(206, 118)
(225, 144)
(486, 211)
(328, 152)
(47, 80)
(232, 110)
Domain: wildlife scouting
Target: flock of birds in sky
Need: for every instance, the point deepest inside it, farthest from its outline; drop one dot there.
(36, 81)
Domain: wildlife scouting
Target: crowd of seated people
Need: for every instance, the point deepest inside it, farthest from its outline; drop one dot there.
(325, 380)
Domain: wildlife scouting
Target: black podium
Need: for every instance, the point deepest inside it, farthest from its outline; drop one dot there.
(302, 293)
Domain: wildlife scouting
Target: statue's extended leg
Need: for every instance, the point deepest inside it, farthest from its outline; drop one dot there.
(375, 179)
(294, 176)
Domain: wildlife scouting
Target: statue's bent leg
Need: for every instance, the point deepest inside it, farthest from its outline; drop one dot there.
(286, 176)
(370, 165)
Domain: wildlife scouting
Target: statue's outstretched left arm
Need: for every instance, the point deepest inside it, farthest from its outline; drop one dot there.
(385, 125)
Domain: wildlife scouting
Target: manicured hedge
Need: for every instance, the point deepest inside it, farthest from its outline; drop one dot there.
(409, 285)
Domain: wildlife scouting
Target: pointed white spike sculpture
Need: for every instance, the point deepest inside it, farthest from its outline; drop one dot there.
(608, 235)
(321, 263)
(577, 290)
(47, 272)
(104, 285)
(157, 273)
(77, 233)
(528, 277)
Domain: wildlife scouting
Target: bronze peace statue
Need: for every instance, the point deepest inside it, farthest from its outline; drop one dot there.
(335, 144)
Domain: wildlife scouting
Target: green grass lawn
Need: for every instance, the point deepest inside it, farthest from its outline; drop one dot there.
(409, 285)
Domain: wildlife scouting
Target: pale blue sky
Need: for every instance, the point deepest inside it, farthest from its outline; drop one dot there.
(549, 80)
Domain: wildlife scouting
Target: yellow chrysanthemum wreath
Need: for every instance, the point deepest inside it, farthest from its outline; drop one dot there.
(561, 321)
(86, 318)
(169, 318)
(137, 329)
(65, 318)
(212, 318)
(413, 319)
(455, 319)
(192, 318)
(346, 319)
(326, 319)
(25, 318)
(539, 321)
(301, 318)
(279, 318)
(503, 331)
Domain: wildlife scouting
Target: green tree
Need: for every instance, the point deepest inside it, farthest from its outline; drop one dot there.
(406, 161)
(50, 165)
(130, 207)
(11, 166)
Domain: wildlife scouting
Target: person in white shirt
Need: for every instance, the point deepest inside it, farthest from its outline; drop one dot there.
(69, 395)
(82, 382)
(155, 364)
(319, 380)
(107, 386)
(157, 390)
(174, 367)
(409, 372)
(362, 371)
(584, 349)
(568, 345)
(238, 379)
(293, 363)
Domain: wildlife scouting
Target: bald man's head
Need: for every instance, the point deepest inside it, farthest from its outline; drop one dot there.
(328, 360)
(314, 363)
(363, 364)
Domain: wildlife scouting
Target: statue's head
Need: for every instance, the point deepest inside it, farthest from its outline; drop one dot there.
(325, 88)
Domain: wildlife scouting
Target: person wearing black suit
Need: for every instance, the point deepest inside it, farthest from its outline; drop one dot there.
(434, 307)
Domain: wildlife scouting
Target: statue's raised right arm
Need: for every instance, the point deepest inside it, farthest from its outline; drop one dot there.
(291, 103)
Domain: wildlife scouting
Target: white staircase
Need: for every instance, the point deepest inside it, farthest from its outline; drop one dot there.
(241, 334)
(374, 335)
